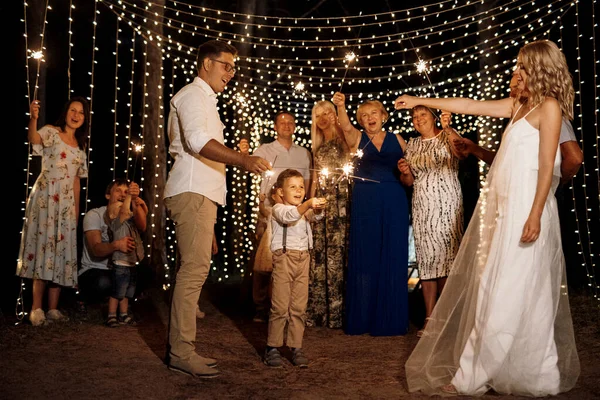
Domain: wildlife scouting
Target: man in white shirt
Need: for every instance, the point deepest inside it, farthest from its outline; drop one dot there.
(282, 153)
(196, 184)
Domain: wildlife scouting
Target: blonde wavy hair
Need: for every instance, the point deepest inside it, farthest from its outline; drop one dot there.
(316, 135)
(548, 75)
(373, 103)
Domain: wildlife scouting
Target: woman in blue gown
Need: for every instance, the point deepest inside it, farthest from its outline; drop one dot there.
(377, 282)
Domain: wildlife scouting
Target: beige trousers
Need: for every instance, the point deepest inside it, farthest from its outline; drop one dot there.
(289, 297)
(194, 216)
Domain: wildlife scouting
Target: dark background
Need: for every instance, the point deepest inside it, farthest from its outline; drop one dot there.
(578, 225)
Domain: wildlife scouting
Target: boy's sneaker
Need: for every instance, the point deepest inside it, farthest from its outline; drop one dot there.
(55, 316)
(199, 313)
(112, 321)
(37, 317)
(299, 359)
(273, 358)
(127, 320)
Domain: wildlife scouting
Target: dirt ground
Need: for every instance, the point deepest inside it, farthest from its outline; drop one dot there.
(83, 359)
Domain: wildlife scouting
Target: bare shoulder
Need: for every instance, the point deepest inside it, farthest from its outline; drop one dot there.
(549, 109)
(550, 104)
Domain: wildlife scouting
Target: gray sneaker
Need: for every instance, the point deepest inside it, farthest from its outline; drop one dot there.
(273, 358)
(299, 359)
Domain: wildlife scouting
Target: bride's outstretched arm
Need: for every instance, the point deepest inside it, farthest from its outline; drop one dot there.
(461, 105)
(549, 120)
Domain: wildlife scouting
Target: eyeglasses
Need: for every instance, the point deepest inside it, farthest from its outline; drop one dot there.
(228, 67)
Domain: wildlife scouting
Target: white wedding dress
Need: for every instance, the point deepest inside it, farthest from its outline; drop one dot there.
(503, 320)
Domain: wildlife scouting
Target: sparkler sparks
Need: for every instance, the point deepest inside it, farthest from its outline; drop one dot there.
(36, 55)
(241, 100)
(299, 87)
(422, 66)
(137, 148)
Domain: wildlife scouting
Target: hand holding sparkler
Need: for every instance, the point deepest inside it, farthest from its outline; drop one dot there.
(445, 119)
(34, 110)
(134, 190)
(406, 102)
(256, 165)
(338, 99)
(403, 166)
(318, 204)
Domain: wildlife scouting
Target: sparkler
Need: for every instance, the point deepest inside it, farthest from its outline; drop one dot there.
(36, 55)
(39, 57)
(345, 172)
(422, 66)
(137, 148)
(240, 99)
(349, 57)
(299, 87)
(270, 173)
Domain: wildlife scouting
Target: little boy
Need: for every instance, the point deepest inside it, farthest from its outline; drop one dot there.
(124, 274)
(290, 244)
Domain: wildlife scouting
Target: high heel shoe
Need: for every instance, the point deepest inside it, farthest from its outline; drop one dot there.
(449, 389)
(422, 330)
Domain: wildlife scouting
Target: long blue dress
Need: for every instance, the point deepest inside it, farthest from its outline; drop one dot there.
(377, 285)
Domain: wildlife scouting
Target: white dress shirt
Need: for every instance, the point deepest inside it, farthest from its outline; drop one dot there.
(193, 121)
(299, 233)
(566, 132)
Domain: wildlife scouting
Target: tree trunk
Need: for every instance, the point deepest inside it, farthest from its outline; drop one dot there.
(154, 153)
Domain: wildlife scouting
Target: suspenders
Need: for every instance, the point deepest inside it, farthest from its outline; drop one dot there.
(285, 234)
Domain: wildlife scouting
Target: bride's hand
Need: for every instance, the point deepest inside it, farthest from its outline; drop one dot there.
(531, 230)
(405, 102)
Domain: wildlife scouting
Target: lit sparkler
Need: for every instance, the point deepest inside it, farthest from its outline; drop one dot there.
(349, 57)
(269, 174)
(137, 148)
(422, 66)
(241, 100)
(299, 87)
(36, 55)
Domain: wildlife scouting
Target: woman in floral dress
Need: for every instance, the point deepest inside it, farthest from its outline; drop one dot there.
(48, 252)
(328, 266)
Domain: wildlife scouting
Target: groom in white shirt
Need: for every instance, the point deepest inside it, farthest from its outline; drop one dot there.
(196, 184)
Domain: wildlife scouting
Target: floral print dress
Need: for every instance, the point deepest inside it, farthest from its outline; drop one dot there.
(328, 266)
(49, 238)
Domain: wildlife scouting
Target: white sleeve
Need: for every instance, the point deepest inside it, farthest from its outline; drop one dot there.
(193, 119)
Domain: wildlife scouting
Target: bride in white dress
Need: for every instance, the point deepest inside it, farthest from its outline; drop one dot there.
(503, 321)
